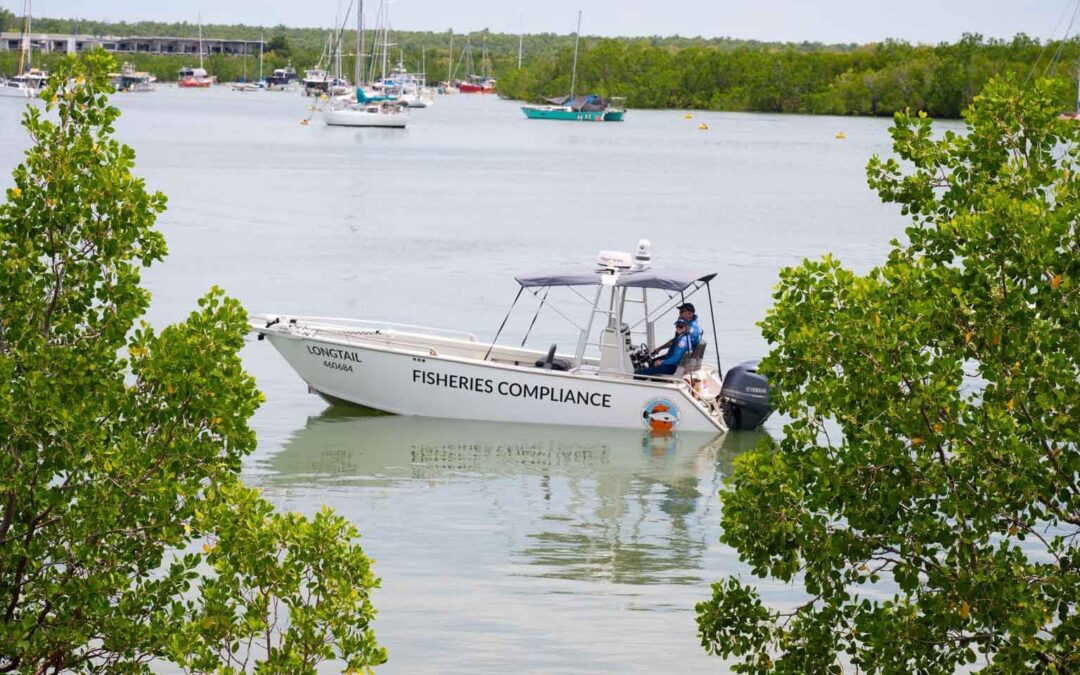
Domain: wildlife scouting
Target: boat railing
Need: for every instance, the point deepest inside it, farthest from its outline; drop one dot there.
(331, 322)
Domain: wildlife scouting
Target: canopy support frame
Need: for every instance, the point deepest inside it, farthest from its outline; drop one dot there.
(503, 324)
(538, 308)
(715, 341)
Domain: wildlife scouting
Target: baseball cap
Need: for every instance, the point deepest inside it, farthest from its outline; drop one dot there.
(687, 306)
(680, 322)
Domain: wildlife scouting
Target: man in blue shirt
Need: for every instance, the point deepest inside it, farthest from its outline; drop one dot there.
(680, 345)
(687, 314)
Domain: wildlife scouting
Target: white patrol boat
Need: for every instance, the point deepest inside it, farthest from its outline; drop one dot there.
(411, 370)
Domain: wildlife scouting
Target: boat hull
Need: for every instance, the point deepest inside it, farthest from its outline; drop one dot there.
(15, 92)
(424, 383)
(466, 88)
(360, 118)
(567, 115)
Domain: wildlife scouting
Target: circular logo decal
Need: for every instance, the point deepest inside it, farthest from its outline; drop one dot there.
(660, 414)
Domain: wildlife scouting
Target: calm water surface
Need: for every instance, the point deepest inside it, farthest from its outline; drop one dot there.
(524, 547)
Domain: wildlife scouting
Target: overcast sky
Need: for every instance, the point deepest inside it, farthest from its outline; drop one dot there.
(926, 21)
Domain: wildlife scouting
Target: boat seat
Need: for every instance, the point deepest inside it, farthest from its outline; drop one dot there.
(549, 362)
(690, 361)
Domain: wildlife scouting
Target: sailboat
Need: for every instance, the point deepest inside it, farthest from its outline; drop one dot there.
(29, 82)
(362, 110)
(258, 85)
(195, 78)
(590, 108)
(484, 83)
(448, 87)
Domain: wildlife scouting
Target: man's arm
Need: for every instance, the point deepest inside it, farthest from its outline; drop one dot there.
(676, 353)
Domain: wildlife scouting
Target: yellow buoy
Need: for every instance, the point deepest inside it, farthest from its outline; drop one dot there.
(841, 135)
(703, 126)
(688, 116)
(304, 122)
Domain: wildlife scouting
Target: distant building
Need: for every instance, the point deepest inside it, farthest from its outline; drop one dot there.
(68, 44)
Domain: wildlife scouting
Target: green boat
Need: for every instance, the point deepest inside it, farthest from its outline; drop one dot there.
(591, 108)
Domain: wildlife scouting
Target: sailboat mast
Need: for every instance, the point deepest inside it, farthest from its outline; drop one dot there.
(260, 58)
(24, 43)
(450, 60)
(1078, 90)
(483, 57)
(337, 44)
(573, 74)
(200, 40)
(521, 42)
(359, 70)
(386, 41)
(29, 32)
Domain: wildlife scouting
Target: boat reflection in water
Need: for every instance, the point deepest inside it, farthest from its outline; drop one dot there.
(576, 503)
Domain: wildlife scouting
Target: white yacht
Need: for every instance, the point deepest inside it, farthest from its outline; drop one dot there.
(316, 82)
(347, 111)
(404, 86)
(27, 85)
(411, 370)
(13, 87)
(282, 79)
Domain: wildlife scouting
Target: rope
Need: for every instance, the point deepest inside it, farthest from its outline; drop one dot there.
(1061, 43)
(1049, 39)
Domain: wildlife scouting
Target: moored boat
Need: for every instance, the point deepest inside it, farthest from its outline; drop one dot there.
(482, 83)
(405, 86)
(131, 80)
(428, 372)
(477, 84)
(591, 108)
(316, 82)
(194, 78)
(350, 113)
(282, 79)
(14, 88)
(30, 81)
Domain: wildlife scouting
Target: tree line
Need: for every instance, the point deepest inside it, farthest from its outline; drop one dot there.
(878, 79)
(439, 54)
(651, 72)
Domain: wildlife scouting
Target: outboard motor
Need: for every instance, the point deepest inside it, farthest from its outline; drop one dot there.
(744, 398)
